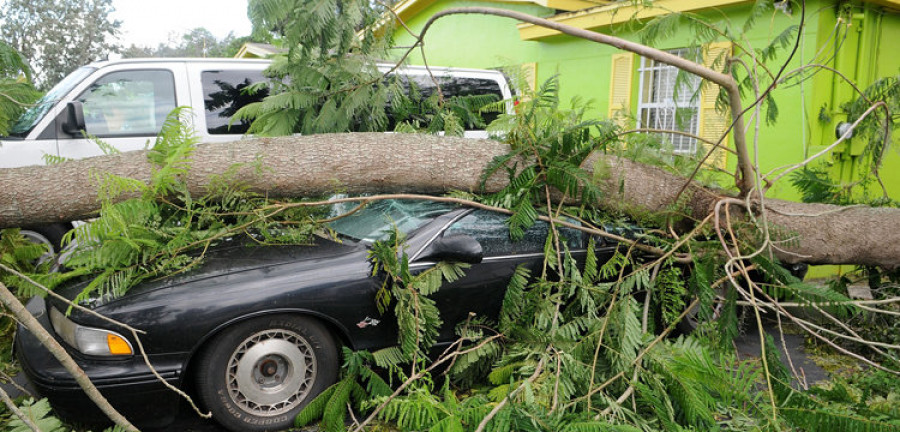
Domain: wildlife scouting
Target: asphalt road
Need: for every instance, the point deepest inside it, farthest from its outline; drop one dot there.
(748, 345)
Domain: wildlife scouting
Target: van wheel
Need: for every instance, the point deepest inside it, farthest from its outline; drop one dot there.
(51, 235)
(259, 374)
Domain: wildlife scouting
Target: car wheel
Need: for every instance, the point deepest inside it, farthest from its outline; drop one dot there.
(259, 374)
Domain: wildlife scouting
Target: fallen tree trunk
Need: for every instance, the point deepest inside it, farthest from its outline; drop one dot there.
(374, 162)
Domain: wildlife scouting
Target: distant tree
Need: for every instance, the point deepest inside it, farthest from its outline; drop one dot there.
(58, 36)
(16, 90)
(198, 42)
(135, 51)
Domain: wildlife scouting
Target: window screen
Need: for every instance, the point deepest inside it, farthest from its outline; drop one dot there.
(668, 103)
(128, 103)
(225, 92)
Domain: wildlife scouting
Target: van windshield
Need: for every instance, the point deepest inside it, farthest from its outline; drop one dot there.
(28, 120)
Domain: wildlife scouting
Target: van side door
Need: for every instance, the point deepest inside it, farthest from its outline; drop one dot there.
(125, 107)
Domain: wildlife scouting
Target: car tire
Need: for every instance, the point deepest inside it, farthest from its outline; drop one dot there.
(257, 375)
(51, 235)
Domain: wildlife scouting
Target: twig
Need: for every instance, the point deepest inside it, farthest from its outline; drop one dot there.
(17, 412)
(640, 355)
(47, 340)
(444, 357)
(13, 383)
(715, 144)
(805, 325)
(537, 372)
(135, 334)
(844, 137)
(787, 352)
(858, 303)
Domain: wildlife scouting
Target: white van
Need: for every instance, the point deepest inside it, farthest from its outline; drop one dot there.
(124, 103)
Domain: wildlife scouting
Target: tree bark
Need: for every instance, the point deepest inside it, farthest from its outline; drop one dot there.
(318, 165)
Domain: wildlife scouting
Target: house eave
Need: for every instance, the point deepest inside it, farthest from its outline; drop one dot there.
(605, 16)
(621, 12)
(410, 8)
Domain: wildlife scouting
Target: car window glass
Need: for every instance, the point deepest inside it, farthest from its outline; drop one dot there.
(376, 220)
(128, 103)
(492, 231)
(225, 92)
(451, 86)
(33, 115)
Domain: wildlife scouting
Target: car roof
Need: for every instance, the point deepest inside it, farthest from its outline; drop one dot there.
(382, 64)
(151, 60)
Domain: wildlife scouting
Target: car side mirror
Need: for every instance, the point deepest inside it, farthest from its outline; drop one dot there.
(74, 124)
(459, 247)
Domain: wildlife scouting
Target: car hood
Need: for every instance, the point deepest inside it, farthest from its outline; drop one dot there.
(227, 258)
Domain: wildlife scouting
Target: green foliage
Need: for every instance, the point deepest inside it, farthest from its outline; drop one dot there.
(439, 411)
(16, 89)
(672, 290)
(358, 385)
(875, 130)
(334, 84)
(38, 412)
(547, 148)
(414, 111)
(328, 80)
(815, 185)
(574, 350)
(417, 315)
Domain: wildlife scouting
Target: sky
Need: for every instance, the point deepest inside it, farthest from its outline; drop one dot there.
(151, 22)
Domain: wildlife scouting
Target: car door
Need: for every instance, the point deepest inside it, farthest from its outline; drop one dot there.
(481, 290)
(126, 108)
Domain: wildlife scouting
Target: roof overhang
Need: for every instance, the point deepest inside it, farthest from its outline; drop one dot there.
(253, 49)
(893, 5)
(621, 12)
(410, 8)
(618, 13)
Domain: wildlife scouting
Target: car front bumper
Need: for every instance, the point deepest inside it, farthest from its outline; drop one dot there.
(128, 384)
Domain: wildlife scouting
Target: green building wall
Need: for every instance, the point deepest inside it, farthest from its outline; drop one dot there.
(867, 52)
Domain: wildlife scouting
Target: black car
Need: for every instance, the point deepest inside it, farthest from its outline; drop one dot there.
(255, 330)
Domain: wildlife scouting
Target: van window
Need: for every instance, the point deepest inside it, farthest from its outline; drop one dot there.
(33, 116)
(128, 103)
(451, 86)
(224, 92)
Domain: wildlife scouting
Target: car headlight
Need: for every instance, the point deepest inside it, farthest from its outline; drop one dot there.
(89, 340)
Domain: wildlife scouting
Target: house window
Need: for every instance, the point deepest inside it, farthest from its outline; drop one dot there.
(663, 106)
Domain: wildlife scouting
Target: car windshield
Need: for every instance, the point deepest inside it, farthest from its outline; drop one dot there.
(376, 220)
(29, 119)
